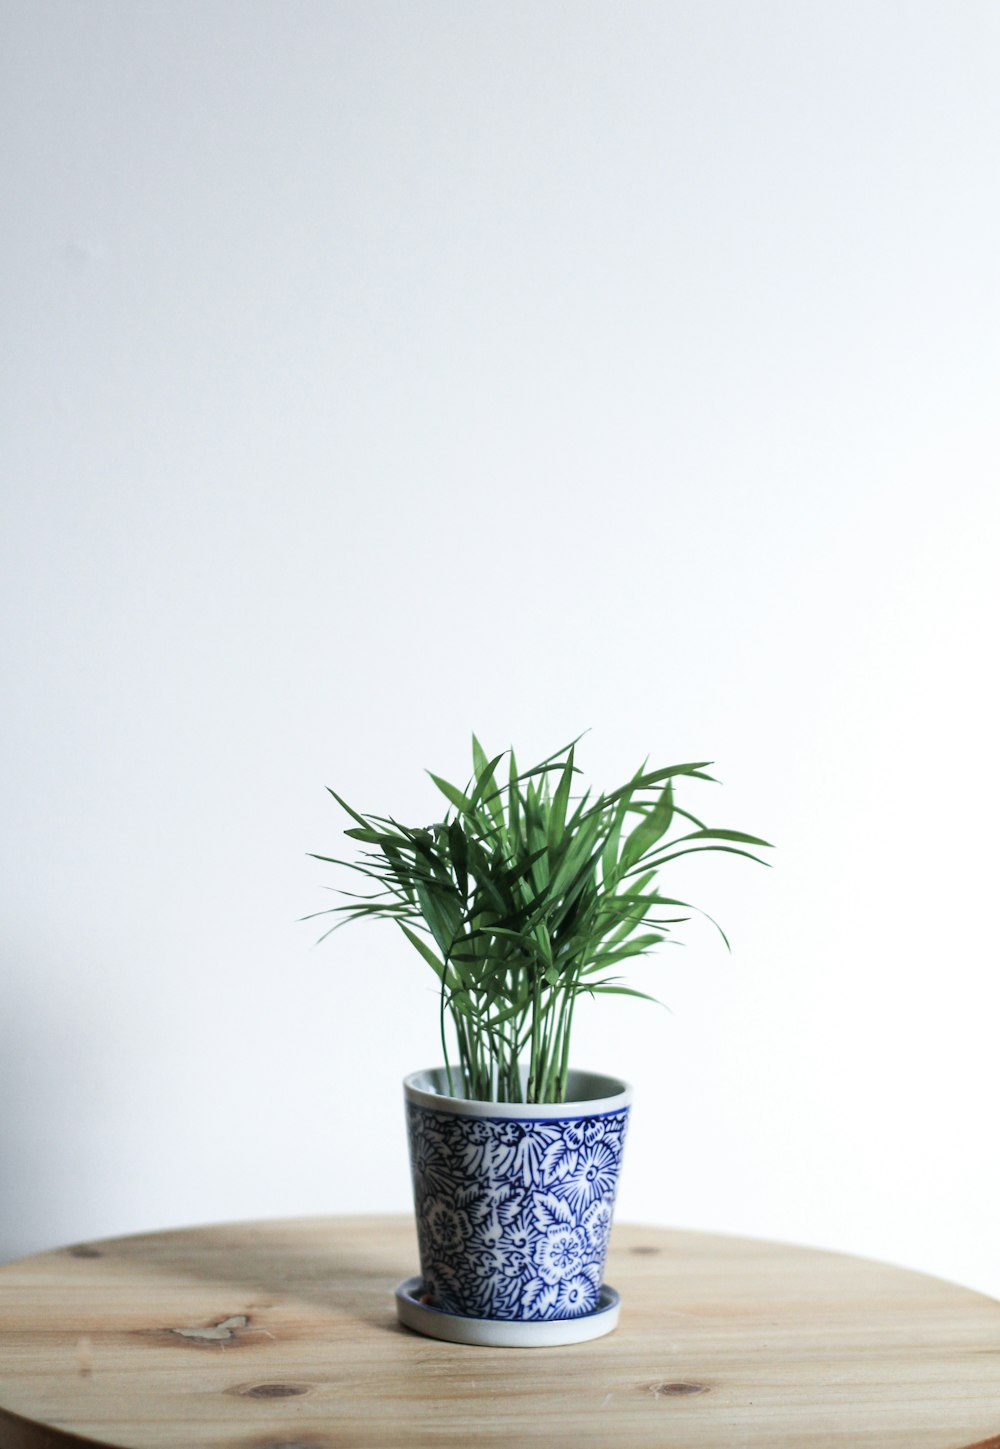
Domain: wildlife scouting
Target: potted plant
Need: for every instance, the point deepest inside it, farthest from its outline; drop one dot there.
(523, 898)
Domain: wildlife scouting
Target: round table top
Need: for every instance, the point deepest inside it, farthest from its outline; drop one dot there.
(283, 1335)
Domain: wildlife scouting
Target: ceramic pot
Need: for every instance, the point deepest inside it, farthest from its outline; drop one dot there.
(514, 1201)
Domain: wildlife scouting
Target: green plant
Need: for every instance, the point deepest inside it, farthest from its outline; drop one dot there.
(530, 899)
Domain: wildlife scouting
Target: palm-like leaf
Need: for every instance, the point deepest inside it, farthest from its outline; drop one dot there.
(526, 901)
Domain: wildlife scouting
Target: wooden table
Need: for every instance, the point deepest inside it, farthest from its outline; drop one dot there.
(282, 1335)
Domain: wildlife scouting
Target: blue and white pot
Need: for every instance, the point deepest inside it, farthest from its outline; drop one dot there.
(514, 1201)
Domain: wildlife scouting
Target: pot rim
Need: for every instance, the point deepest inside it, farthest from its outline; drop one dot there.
(601, 1094)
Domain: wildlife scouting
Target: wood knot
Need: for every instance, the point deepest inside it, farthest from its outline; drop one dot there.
(83, 1250)
(269, 1391)
(676, 1390)
(644, 1250)
(223, 1332)
(306, 1440)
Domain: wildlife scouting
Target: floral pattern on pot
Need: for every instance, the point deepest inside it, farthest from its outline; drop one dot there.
(514, 1215)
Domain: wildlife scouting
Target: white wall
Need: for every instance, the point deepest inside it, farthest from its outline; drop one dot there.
(375, 372)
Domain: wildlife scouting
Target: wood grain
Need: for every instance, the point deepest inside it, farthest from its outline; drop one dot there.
(282, 1335)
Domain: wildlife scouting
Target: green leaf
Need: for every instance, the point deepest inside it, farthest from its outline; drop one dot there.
(491, 800)
(609, 856)
(344, 805)
(526, 944)
(435, 912)
(701, 849)
(547, 764)
(425, 951)
(706, 833)
(370, 836)
(523, 901)
(637, 946)
(644, 782)
(513, 806)
(651, 828)
(453, 795)
(557, 814)
(459, 855)
(686, 815)
(523, 868)
(626, 991)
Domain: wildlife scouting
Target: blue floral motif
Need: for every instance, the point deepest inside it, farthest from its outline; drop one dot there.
(514, 1215)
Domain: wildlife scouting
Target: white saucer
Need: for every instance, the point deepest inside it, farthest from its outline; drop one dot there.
(503, 1333)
